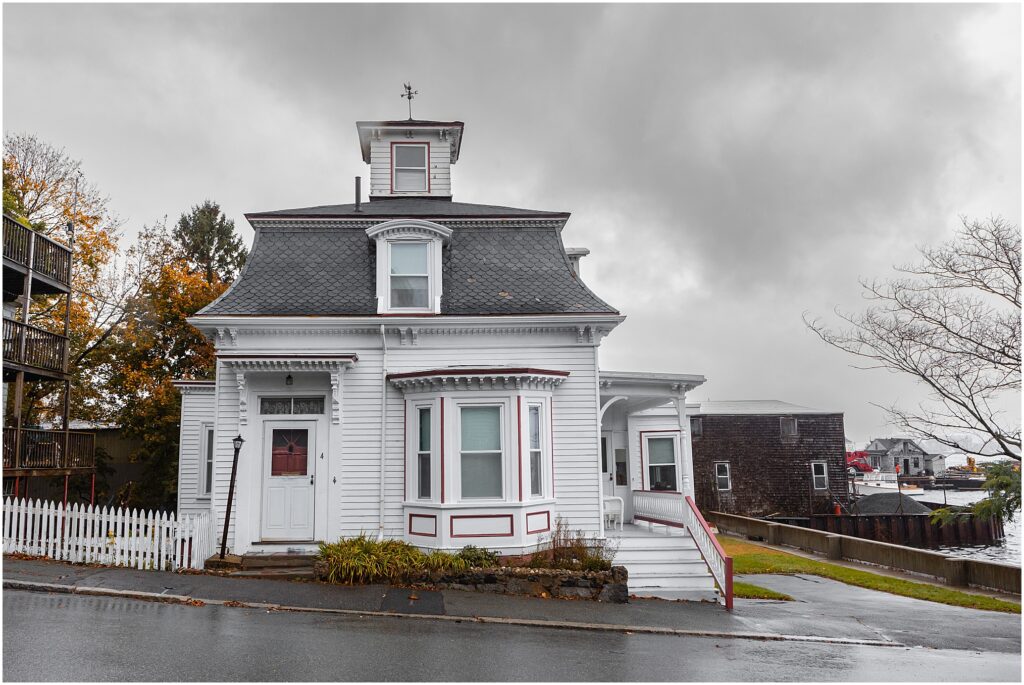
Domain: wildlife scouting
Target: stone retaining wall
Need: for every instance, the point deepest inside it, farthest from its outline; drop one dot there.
(600, 586)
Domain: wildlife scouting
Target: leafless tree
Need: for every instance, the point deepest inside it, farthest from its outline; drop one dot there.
(953, 322)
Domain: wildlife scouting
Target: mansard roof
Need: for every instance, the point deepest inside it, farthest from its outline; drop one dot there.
(306, 269)
(400, 208)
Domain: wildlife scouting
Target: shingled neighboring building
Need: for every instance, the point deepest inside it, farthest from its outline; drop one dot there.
(418, 368)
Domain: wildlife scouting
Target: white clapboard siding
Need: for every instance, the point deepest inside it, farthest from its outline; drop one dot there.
(115, 537)
(439, 164)
(197, 411)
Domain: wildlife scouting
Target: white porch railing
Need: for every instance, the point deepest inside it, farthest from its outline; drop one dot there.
(101, 535)
(673, 509)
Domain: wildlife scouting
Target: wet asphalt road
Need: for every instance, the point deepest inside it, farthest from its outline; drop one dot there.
(72, 637)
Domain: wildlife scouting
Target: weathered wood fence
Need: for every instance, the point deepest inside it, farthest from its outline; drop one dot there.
(82, 533)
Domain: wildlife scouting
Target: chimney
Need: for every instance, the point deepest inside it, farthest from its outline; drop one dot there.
(359, 192)
(575, 255)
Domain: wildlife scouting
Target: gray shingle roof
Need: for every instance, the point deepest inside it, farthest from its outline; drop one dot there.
(332, 272)
(410, 207)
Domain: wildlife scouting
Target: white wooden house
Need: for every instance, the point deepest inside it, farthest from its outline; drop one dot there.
(417, 368)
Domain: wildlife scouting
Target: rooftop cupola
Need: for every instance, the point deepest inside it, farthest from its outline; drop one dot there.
(411, 157)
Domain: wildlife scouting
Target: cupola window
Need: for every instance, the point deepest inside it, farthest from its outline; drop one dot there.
(409, 167)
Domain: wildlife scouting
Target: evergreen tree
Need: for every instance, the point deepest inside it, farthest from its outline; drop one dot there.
(208, 243)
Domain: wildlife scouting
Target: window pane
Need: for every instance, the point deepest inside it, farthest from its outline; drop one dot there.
(410, 179)
(481, 429)
(424, 473)
(604, 454)
(661, 451)
(410, 155)
(208, 483)
(275, 405)
(424, 429)
(288, 456)
(723, 483)
(308, 405)
(481, 475)
(663, 477)
(535, 428)
(409, 291)
(409, 258)
(535, 462)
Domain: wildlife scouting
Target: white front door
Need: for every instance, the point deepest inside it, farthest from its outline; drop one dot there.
(615, 467)
(288, 477)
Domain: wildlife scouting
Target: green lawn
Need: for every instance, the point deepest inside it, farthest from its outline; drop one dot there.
(748, 591)
(750, 558)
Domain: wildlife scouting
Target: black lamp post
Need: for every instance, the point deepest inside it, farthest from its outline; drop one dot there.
(237, 442)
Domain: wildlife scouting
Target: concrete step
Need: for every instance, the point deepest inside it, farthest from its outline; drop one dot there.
(678, 595)
(656, 543)
(678, 580)
(653, 556)
(253, 562)
(286, 573)
(666, 568)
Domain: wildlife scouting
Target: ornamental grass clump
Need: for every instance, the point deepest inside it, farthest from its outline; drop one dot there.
(364, 560)
(573, 550)
(476, 557)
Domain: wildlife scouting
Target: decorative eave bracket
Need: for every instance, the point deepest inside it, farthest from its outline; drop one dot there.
(441, 380)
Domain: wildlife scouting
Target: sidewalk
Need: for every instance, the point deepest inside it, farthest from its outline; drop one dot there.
(835, 613)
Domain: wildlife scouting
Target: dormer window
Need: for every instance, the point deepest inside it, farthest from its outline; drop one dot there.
(409, 265)
(409, 167)
(410, 274)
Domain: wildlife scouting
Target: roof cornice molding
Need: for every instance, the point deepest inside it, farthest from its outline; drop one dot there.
(455, 379)
(195, 387)
(317, 222)
(401, 228)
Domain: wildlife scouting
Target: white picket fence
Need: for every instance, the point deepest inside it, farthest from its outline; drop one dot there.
(83, 533)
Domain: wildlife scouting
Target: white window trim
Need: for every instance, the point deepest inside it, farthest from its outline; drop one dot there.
(205, 489)
(413, 449)
(506, 434)
(425, 167)
(782, 423)
(434, 235)
(728, 475)
(545, 463)
(675, 454)
(814, 477)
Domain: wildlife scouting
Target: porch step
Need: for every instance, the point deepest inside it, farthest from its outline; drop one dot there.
(686, 579)
(256, 562)
(287, 573)
(678, 595)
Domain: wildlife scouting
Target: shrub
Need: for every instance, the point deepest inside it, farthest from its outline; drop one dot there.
(477, 557)
(445, 562)
(574, 550)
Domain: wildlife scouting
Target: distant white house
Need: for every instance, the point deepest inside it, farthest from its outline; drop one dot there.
(885, 454)
(418, 368)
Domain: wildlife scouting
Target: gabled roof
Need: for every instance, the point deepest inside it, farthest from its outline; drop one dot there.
(418, 207)
(320, 271)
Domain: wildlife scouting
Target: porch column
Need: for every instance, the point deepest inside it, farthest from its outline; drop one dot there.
(687, 447)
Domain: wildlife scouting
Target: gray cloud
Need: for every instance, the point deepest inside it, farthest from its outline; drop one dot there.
(730, 166)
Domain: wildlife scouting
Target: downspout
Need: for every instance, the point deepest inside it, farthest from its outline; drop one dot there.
(383, 426)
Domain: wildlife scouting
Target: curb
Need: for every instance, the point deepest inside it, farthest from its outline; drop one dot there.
(33, 586)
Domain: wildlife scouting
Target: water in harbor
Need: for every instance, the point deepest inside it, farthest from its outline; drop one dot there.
(1008, 551)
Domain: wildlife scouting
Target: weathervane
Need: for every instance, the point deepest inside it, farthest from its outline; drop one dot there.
(409, 94)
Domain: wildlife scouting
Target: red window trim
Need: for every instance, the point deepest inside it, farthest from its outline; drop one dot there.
(643, 469)
(426, 170)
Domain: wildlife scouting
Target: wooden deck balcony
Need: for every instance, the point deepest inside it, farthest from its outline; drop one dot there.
(34, 452)
(27, 251)
(37, 352)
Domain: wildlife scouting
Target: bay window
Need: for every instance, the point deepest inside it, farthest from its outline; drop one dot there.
(424, 454)
(536, 452)
(480, 451)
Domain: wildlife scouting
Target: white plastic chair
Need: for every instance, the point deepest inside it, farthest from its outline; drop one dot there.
(614, 508)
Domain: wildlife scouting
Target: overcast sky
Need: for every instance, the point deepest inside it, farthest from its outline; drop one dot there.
(729, 166)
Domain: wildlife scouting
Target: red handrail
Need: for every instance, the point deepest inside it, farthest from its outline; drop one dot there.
(718, 548)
